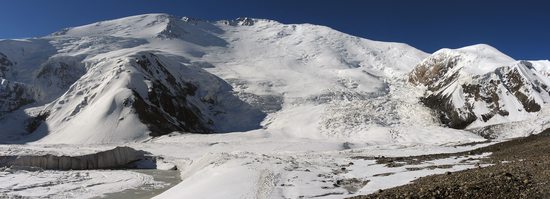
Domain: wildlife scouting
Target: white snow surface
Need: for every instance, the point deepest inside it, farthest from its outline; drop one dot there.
(69, 184)
(542, 66)
(482, 58)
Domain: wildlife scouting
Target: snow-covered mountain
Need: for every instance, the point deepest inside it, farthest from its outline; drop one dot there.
(477, 86)
(149, 75)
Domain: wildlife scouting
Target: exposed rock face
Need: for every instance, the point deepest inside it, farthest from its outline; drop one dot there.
(166, 108)
(117, 158)
(241, 21)
(244, 21)
(462, 95)
(517, 82)
(437, 73)
(183, 101)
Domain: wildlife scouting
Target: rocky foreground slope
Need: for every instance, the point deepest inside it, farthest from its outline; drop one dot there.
(521, 169)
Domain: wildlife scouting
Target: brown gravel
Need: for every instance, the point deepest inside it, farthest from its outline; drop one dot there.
(521, 170)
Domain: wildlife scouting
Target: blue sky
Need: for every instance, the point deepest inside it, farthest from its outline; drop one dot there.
(519, 28)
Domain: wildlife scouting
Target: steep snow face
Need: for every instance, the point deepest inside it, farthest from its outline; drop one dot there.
(36, 73)
(149, 26)
(477, 86)
(481, 58)
(141, 26)
(313, 79)
(55, 76)
(542, 66)
(25, 56)
(12, 94)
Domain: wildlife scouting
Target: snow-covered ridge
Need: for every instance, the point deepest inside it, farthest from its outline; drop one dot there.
(476, 59)
(140, 26)
(542, 66)
(164, 26)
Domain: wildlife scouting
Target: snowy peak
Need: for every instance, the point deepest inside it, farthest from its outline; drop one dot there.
(192, 20)
(485, 51)
(245, 21)
(146, 28)
(140, 26)
(449, 65)
(478, 85)
(476, 59)
(150, 26)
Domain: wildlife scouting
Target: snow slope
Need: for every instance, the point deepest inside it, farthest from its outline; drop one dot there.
(542, 66)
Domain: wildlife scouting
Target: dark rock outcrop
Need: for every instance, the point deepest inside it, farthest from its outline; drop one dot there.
(14, 95)
(165, 108)
(34, 122)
